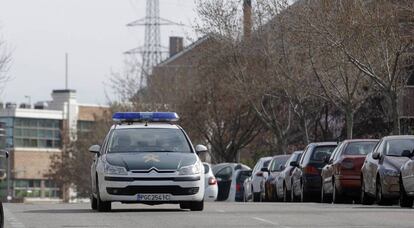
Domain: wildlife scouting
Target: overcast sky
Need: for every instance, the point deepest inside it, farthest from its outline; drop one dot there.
(93, 32)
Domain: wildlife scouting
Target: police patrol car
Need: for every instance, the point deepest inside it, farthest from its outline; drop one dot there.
(145, 158)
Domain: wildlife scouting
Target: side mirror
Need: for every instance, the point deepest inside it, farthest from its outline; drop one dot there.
(201, 148)
(376, 155)
(294, 164)
(265, 169)
(282, 167)
(95, 149)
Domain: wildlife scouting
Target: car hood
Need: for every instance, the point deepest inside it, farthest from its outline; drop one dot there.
(394, 162)
(147, 161)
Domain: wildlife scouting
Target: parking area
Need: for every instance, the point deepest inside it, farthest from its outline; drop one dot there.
(216, 214)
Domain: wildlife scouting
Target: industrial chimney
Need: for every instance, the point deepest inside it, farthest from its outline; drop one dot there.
(247, 21)
(176, 45)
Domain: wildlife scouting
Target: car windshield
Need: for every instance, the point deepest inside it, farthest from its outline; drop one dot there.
(360, 148)
(396, 147)
(266, 163)
(321, 152)
(278, 162)
(148, 140)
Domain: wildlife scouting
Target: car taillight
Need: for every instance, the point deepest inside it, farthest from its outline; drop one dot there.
(238, 186)
(259, 174)
(311, 170)
(212, 181)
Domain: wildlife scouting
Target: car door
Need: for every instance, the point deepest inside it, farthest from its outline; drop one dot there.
(370, 169)
(407, 173)
(94, 163)
(328, 171)
(297, 173)
(224, 178)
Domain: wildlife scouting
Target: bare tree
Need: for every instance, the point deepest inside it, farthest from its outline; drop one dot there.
(368, 34)
(5, 59)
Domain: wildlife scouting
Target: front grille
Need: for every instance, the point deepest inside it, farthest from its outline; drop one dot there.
(133, 190)
(130, 179)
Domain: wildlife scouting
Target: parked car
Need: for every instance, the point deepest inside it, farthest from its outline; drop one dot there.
(3, 174)
(283, 183)
(276, 166)
(306, 177)
(341, 176)
(254, 185)
(229, 176)
(210, 183)
(407, 181)
(381, 170)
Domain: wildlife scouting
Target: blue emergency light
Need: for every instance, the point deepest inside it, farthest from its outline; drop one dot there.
(145, 117)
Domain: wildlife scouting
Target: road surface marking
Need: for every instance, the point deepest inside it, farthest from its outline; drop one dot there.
(221, 211)
(9, 218)
(269, 222)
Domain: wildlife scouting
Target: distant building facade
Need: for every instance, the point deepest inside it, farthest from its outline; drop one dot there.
(34, 134)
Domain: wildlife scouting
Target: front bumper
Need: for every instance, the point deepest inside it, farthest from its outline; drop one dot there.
(126, 188)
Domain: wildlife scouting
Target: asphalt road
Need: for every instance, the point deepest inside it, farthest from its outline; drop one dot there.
(216, 215)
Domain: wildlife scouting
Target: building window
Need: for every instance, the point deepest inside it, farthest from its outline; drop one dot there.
(8, 127)
(37, 133)
(85, 126)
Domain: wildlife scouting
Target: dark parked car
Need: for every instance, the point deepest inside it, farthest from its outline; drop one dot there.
(283, 183)
(306, 177)
(381, 170)
(341, 176)
(228, 176)
(276, 166)
(407, 181)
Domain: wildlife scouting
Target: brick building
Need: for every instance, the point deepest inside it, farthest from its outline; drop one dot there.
(33, 135)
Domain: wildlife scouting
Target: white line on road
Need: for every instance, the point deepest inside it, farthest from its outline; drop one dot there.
(269, 222)
(9, 217)
(221, 211)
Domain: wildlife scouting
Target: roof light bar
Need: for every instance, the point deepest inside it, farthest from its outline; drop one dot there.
(145, 116)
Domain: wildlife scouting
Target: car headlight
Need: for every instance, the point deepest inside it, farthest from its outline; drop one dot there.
(391, 173)
(114, 170)
(190, 170)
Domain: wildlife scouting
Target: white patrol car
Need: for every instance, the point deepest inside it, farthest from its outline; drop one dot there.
(147, 159)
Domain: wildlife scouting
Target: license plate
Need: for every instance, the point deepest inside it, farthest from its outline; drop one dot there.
(153, 197)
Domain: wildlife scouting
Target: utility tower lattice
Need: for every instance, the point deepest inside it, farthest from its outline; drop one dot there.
(151, 51)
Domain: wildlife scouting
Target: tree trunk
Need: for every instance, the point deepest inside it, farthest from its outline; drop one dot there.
(395, 114)
(349, 119)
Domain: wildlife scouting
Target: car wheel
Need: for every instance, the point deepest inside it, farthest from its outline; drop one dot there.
(1, 216)
(196, 206)
(101, 206)
(336, 197)
(285, 194)
(292, 194)
(185, 205)
(379, 196)
(365, 198)
(324, 198)
(256, 197)
(405, 200)
(94, 203)
(303, 195)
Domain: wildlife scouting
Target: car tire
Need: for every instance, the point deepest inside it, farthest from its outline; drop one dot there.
(101, 206)
(303, 195)
(292, 194)
(324, 196)
(405, 200)
(94, 203)
(365, 199)
(196, 206)
(336, 196)
(379, 195)
(286, 194)
(1, 215)
(256, 197)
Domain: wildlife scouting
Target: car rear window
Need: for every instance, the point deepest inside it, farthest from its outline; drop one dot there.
(277, 162)
(243, 175)
(320, 152)
(395, 147)
(359, 148)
